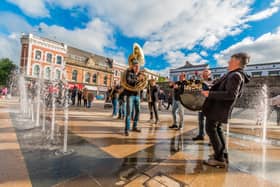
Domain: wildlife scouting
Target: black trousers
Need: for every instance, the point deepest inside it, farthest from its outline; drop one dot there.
(153, 108)
(215, 132)
(85, 102)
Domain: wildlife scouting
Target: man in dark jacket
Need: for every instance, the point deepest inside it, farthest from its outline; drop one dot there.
(177, 107)
(154, 91)
(219, 104)
(115, 98)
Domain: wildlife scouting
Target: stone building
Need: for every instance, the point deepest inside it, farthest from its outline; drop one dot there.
(189, 69)
(254, 70)
(118, 70)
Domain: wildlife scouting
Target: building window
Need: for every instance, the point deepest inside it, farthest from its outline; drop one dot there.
(274, 73)
(256, 74)
(38, 55)
(87, 77)
(57, 74)
(49, 57)
(48, 73)
(105, 80)
(116, 73)
(94, 78)
(174, 78)
(58, 60)
(74, 75)
(36, 70)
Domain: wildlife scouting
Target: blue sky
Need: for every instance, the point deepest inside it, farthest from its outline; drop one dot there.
(170, 32)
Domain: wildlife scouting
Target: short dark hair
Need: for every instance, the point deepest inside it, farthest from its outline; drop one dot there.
(244, 58)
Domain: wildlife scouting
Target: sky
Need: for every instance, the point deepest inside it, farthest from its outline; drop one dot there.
(169, 31)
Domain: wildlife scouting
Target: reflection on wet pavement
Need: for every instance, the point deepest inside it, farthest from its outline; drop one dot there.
(157, 156)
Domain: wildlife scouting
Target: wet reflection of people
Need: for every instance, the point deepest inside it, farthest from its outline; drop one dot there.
(176, 144)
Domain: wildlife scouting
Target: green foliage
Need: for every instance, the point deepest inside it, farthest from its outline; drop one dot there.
(162, 79)
(6, 68)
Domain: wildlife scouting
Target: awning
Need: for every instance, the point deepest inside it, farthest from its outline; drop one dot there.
(79, 86)
(93, 88)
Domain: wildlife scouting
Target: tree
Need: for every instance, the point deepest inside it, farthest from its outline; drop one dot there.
(6, 69)
(162, 79)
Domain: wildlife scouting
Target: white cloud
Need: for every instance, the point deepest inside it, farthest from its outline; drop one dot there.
(32, 8)
(18, 23)
(203, 53)
(262, 15)
(95, 37)
(275, 3)
(178, 58)
(10, 47)
(263, 49)
(167, 26)
(119, 57)
(202, 22)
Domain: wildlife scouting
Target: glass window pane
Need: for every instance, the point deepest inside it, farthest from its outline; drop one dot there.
(57, 74)
(36, 71)
(49, 57)
(48, 73)
(74, 75)
(38, 55)
(59, 60)
(87, 77)
(94, 78)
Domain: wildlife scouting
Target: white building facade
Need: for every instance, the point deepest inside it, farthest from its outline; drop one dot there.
(253, 70)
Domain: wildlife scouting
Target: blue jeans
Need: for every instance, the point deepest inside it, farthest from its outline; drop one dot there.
(89, 104)
(115, 106)
(122, 108)
(177, 108)
(132, 102)
(201, 124)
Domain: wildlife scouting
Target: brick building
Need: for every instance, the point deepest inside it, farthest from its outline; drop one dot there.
(41, 57)
(85, 69)
(118, 69)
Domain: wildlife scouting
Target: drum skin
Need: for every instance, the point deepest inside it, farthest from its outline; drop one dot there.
(192, 100)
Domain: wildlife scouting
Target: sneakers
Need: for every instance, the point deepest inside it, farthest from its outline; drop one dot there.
(156, 122)
(173, 127)
(198, 138)
(136, 130)
(214, 163)
(126, 133)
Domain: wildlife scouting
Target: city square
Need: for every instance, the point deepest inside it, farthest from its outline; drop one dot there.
(149, 93)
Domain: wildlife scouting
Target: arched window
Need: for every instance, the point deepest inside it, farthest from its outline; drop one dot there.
(87, 77)
(48, 73)
(36, 70)
(94, 78)
(105, 80)
(57, 74)
(74, 75)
